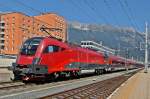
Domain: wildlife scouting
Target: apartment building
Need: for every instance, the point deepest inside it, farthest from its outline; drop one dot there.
(16, 27)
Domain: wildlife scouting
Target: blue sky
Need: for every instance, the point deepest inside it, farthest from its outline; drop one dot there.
(124, 13)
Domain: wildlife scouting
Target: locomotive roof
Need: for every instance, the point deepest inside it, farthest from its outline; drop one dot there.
(38, 37)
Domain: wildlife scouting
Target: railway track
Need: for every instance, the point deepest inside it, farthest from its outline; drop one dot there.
(54, 90)
(99, 90)
(8, 85)
(13, 85)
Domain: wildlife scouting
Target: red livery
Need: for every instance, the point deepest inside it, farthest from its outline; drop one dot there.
(48, 58)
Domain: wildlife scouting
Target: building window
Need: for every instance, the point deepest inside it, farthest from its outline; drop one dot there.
(2, 30)
(6, 48)
(13, 24)
(13, 29)
(23, 25)
(23, 19)
(7, 36)
(13, 19)
(2, 18)
(2, 24)
(2, 35)
(24, 38)
(2, 41)
(13, 41)
(2, 47)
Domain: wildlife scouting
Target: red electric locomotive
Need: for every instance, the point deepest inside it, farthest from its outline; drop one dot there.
(48, 58)
(45, 58)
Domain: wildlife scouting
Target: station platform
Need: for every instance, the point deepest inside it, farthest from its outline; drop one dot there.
(136, 87)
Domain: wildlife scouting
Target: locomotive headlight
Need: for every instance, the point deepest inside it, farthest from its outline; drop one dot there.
(36, 60)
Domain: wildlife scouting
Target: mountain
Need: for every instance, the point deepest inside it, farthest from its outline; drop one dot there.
(125, 39)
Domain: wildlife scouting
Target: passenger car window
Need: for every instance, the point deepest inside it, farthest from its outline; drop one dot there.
(51, 48)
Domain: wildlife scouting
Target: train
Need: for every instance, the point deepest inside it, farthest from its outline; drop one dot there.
(46, 58)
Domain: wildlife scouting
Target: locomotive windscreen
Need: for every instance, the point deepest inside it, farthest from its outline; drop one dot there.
(30, 46)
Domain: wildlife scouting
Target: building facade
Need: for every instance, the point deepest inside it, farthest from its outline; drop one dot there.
(97, 47)
(16, 27)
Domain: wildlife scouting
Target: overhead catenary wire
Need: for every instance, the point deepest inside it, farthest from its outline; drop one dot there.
(29, 7)
(85, 26)
(124, 4)
(79, 8)
(35, 10)
(93, 9)
(5, 5)
(131, 13)
(126, 13)
(111, 11)
(133, 19)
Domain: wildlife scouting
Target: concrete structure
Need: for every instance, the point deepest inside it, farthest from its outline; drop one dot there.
(97, 47)
(5, 75)
(137, 87)
(5, 63)
(16, 27)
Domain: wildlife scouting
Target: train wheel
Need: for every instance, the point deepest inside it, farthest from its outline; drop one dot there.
(99, 71)
(96, 72)
(54, 76)
(75, 74)
(48, 78)
(105, 71)
(17, 76)
(78, 73)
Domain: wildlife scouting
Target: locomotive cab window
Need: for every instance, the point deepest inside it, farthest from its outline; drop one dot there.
(30, 46)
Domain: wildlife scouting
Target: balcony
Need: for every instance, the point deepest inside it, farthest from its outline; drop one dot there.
(2, 21)
(2, 33)
(2, 27)
(1, 44)
(2, 41)
(2, 38)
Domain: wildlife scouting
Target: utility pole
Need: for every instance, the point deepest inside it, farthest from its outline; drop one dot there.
(119, 49)
(126, 56)
(146, 48)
